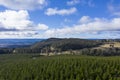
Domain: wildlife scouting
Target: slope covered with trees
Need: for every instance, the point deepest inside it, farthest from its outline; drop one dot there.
(66, 43)
(58, 45)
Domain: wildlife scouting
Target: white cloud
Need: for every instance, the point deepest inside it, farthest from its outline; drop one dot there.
(17, 24)
(55, 11)
(17, 34)
(73, 2)
(42, 27)
(18, 20)
(85, 19)
(15, 19)
(96, 25)
(23, 4)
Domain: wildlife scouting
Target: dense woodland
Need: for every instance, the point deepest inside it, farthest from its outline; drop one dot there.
(33, 67)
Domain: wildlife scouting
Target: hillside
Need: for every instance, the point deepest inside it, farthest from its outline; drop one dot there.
(65, 43)
(76, 46)
(58, 45)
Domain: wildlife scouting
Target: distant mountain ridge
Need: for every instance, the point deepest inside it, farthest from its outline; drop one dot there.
(15, 43)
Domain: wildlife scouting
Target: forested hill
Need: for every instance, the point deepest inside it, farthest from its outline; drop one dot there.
(65, 44)
(52, 44)
(71, 45)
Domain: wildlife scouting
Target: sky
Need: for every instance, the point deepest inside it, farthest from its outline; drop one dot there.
(88, 19)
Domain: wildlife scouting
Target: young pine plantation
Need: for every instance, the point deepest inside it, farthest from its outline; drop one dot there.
(62, 67)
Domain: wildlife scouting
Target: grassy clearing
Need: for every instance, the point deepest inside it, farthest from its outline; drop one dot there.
(107, 45)
(116, 45)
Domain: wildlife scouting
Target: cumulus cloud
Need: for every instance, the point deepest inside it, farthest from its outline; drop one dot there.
(15, 19)
(55, 11)
(23, 4)
(18, 20)
(94, 26)
(85, 19)
(18, 24)
(42, 27)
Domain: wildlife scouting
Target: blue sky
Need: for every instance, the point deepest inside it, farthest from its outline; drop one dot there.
(60, 18)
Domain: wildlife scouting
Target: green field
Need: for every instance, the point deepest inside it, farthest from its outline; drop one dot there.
(62, 67)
